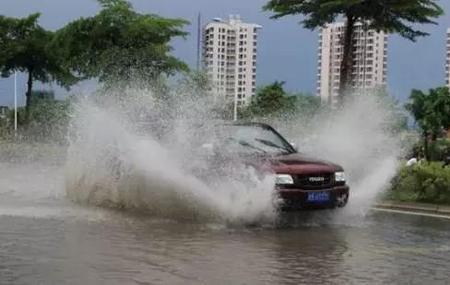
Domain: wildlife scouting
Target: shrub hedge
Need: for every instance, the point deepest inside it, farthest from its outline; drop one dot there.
(427, 182)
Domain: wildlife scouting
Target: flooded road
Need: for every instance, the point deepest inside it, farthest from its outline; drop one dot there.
(46, 239)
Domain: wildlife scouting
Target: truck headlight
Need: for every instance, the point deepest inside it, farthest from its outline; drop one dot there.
(284, 179)
(339, 176)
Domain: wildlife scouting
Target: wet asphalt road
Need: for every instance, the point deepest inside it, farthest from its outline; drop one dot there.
(45, 239)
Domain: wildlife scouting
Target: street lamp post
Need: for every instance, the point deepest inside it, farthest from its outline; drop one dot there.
(15, 103)
(235, 108)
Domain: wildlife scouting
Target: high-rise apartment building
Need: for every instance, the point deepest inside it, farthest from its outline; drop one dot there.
(369, 60)
(229, 58)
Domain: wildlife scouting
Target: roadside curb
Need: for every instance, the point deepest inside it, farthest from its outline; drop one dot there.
(414, 207)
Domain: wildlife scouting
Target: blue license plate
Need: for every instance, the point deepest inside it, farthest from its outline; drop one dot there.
(318, 197)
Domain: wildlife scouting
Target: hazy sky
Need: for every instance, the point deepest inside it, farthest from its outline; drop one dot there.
(286, 51)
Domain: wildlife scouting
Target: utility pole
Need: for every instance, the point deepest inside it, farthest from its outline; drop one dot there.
(15, 103)
(199, 40)
(235, 108)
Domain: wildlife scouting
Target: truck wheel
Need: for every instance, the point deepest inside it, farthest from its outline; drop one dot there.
(341, 201)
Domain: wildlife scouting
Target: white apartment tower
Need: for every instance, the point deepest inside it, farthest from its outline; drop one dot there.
(369, 61)
(447, 63)
(229, 58)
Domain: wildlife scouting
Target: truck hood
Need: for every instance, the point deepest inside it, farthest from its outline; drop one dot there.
(298, 163)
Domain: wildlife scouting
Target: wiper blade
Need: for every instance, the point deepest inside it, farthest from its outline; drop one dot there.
(246, 144)
(271, 144)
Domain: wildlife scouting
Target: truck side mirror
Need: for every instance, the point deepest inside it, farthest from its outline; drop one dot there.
(294, 145)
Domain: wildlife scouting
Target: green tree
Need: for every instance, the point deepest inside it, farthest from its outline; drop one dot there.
(431, 111)
(306, 105)
(119, 45)
(24, 48)
(391, 16)
(270, 100)
(47, 120)
(196, 82)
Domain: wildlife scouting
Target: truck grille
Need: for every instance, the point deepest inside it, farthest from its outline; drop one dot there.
(316, 181)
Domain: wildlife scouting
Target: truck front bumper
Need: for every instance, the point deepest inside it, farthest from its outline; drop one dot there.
(300, 199)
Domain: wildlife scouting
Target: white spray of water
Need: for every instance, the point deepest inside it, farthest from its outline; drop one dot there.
(113, 163)
(359, 137)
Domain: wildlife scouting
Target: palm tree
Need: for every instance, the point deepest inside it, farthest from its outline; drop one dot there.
(391, 16)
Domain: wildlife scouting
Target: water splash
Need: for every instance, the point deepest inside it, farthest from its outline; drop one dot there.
(141, 151)
(363, 136)
(113, 162)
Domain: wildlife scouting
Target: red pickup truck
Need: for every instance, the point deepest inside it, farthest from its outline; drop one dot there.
(300, 182)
